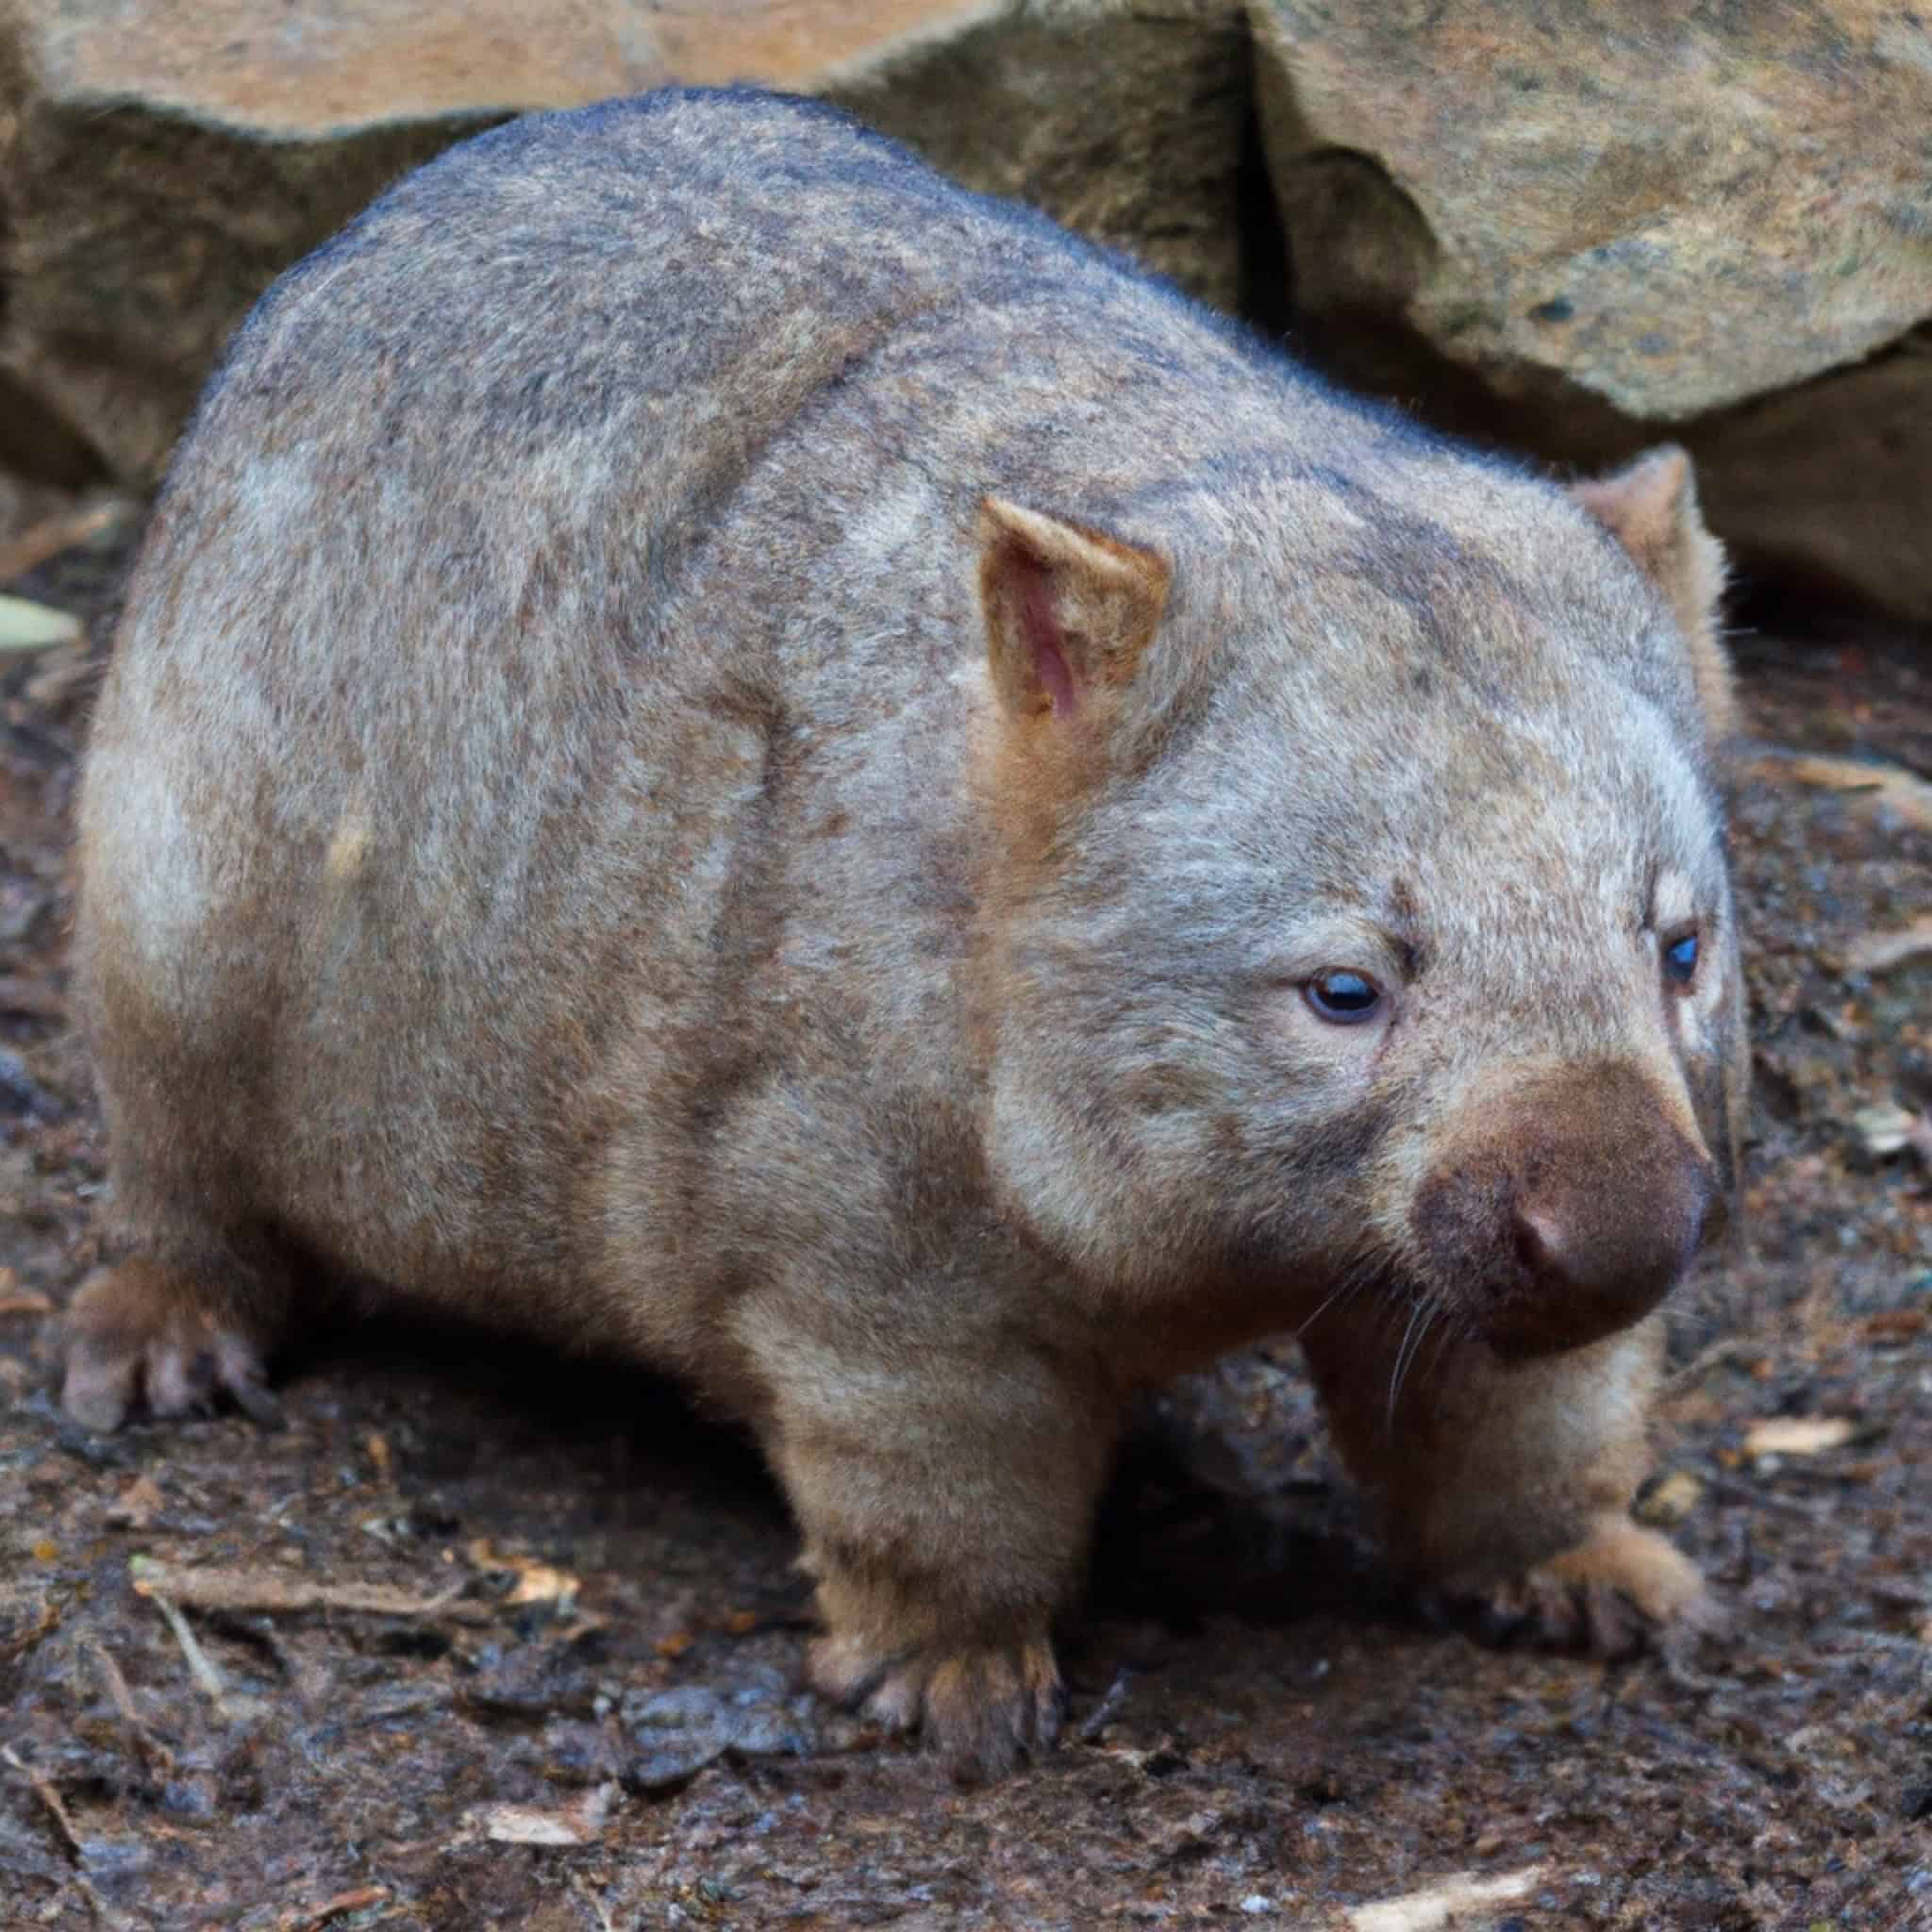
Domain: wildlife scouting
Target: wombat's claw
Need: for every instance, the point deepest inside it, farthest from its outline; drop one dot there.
(1621, 1591)
(983, 1708)
(128, 1340)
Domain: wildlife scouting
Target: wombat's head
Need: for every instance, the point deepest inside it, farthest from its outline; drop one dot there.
(1358, 907)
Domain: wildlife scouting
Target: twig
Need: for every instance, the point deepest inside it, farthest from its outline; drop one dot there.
(1706, 1359)
(200, 1665)
(19, 1646)
(30, 999)
(279, 1593)
(52, 535)
(307, 1917)
(57, 1808)
(151, 1750)
(1761, 1498)
(69, 1839)
(1109, 1707)
(591, 1899)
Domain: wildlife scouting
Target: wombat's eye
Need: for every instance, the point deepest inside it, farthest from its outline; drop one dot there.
(1344, 998)
(1680, 960)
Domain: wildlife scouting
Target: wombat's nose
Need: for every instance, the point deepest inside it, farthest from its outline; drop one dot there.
(1576, 1245)
(1564, 1207)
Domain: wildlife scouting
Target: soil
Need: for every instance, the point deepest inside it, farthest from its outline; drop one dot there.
(480, 1638)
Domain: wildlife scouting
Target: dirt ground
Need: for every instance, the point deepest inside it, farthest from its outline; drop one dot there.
(479, 1639)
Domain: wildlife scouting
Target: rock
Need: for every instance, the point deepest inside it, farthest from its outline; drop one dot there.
(1675, 219)
(681, 1730)
(1125, 125)
(1576, 232)
(1573, 233)
(160, 166)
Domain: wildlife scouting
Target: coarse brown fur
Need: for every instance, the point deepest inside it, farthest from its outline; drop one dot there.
(725, 752)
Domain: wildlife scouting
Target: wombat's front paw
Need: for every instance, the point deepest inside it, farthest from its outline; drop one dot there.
(139, 1331)
(983, 1707)
(1613, 1593)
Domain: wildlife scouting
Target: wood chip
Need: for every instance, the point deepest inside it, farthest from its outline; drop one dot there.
(28, 627)
(26, 1301)
(524, 1824)
(1797, 1435)
(1444, 1903)
(1888, 787)
(1878, 952)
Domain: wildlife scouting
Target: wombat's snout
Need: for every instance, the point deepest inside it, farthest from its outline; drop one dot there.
(1564, 1207)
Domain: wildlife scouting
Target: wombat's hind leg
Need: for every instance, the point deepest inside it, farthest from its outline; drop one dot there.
(172, 1336)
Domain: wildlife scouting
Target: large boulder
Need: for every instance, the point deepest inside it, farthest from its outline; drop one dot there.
(1578, 227)
(1569, 228)
(159, 165)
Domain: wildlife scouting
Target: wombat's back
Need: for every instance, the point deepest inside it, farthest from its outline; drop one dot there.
(528, 527)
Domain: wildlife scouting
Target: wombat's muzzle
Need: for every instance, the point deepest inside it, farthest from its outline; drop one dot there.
(1563, 1208)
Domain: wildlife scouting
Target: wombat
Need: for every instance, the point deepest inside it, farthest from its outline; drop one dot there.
(725, 752)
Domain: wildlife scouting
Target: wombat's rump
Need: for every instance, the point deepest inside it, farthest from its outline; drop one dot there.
(724, 751)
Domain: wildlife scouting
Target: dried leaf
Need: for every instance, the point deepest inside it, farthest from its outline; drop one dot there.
(538, 1582)
(1797, 1435)
(1446, 1903)
(1673, 1499)
(136, 1505)
(524, 1824)
(532, 1824)
(28, 627)
(1886, 1128)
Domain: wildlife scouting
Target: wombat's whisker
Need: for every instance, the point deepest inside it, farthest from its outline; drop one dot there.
(1411, 1339)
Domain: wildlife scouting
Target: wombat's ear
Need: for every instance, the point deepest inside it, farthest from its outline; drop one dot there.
(1651, 508)
(1069, 612)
